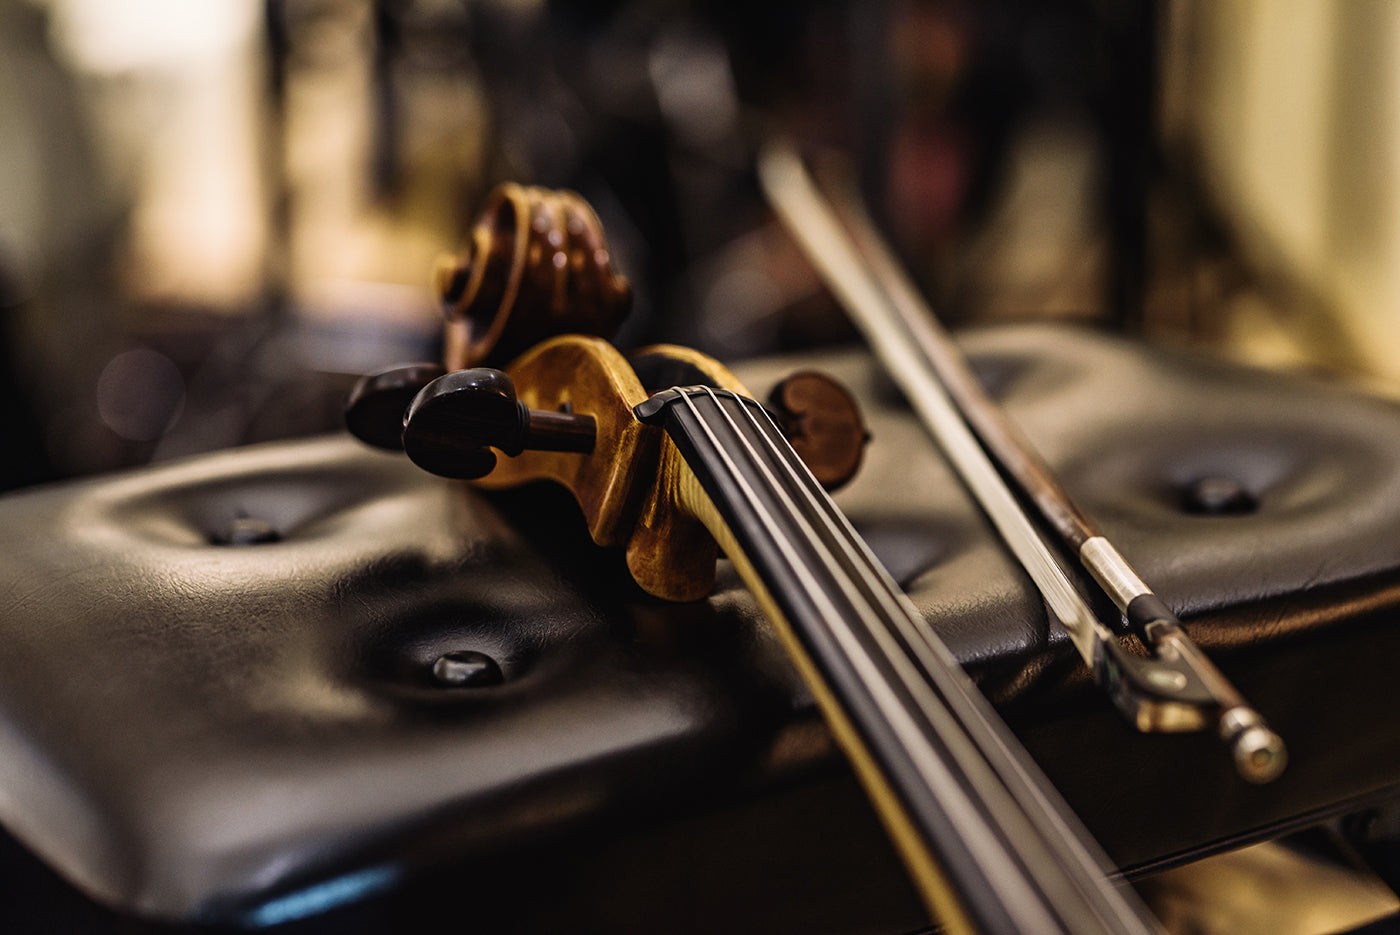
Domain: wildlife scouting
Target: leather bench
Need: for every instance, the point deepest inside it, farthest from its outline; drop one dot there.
(217, 698)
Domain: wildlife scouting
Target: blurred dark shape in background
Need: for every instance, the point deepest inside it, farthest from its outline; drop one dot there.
(214, 216)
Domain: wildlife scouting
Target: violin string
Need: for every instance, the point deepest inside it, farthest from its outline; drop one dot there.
(935, 657)
(872, 617)
(932, 372)
(894, 604)
(935, 774)
(893, 600)
(1157, 626)
(794, 468)
(941, 665)
(829, 611)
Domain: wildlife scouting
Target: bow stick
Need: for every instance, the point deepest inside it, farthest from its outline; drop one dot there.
(1179, 688)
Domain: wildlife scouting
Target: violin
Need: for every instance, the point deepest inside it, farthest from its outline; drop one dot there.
(673, 461)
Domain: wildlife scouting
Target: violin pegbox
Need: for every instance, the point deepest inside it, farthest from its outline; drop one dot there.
(585, 376)
(538, 266)
(564, 412)
(628, 496)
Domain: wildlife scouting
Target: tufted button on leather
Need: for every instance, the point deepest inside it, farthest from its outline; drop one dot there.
(466, 668)
(245, 530)
(1218, 496)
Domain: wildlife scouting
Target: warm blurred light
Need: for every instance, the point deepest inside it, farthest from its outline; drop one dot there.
(106, 37)
(1267, 889)
(176, 100)
(1294, 110)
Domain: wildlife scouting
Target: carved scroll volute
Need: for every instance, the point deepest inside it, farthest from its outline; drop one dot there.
(536, 249)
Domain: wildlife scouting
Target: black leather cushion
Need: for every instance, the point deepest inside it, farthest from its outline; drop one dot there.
(199, 730)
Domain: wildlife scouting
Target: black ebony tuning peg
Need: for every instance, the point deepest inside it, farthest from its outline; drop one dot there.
(453, 422)
(374, 413)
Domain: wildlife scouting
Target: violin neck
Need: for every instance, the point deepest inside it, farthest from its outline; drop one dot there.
(987, 841)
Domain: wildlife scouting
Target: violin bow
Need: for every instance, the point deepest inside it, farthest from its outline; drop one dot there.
(1178, 688)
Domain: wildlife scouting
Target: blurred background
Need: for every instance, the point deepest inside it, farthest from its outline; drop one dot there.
(214, 215)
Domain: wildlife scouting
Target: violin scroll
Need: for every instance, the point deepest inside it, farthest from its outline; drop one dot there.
(535, 249)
